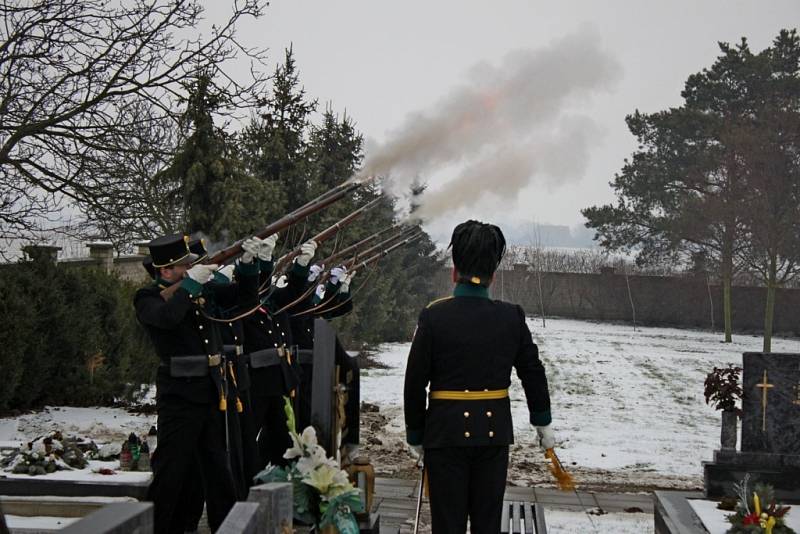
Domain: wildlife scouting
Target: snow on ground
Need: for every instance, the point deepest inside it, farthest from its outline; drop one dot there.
(628, 406)
(100, 424)
(569, 522)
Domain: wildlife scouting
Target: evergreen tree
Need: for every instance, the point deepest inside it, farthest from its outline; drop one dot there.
(712, 176)
(220, 198)
(273, 143)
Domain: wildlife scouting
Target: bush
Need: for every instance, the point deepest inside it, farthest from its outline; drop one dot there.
(70, 337)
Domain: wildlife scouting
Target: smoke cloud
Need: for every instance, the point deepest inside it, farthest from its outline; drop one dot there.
(508, 126)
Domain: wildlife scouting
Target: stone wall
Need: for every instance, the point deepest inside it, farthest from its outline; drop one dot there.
(101, 254)
(656, 300)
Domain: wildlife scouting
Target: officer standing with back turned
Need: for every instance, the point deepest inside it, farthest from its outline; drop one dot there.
(464, 348)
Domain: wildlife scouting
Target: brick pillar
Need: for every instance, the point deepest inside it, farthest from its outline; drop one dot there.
(102, 252)
(142, 249)
(34, 252)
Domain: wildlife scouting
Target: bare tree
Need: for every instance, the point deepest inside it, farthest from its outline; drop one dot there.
(70, 72)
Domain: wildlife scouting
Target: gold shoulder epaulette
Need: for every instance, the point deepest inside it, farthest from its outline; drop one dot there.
(431, 303)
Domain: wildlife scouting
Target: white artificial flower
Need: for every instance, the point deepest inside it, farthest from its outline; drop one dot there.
(314, 457)
(301, 443)
(321, 478)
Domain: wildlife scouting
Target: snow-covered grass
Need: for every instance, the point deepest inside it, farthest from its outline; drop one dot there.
(628, 406)
(100, 424)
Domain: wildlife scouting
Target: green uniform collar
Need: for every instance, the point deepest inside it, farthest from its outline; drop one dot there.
(470, 290)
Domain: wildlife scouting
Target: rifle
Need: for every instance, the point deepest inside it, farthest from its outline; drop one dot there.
(355, 246)
(355, 264)
(324, 235)
(308, 209)
(349, 265)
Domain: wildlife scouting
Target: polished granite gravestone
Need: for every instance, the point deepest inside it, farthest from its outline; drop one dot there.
(770, 445)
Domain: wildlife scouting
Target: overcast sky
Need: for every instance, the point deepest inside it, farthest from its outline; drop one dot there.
(387, 61)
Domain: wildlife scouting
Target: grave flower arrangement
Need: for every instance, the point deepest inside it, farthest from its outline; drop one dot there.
(722, 388)
(323, 494)
(757, 511)
(45, 455)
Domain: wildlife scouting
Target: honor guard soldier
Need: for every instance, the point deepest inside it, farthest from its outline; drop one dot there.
(269, 350)
(464, 348)
(191, 382)
(328, 301)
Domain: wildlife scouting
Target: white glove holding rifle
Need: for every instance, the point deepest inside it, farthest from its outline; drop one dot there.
(337, 273)
(307, 251)
(267, 247)
(227, 272)
(314, 271)
(251, 247)
(345, 286)
(320, 291)
(202, 273)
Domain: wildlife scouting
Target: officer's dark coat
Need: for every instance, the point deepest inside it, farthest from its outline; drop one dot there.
(453, 350)
(266, 330)
(178, 327)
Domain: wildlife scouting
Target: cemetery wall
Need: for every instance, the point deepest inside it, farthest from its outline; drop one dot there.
(657, 300)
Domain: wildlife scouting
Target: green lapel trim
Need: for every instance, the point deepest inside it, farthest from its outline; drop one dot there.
(469, 290)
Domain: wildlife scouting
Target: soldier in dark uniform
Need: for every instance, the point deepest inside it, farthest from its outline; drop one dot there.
(273, 373)
(328, 301)
(464, 347)
(191, 380)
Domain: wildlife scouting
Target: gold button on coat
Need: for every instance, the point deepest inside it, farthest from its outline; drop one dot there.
(491, 434)
(466, 434)
(488, 414)
(466, 414)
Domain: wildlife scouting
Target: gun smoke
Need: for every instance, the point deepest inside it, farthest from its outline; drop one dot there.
(508, 126)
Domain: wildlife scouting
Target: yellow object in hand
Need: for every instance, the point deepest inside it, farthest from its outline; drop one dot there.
(757, 504)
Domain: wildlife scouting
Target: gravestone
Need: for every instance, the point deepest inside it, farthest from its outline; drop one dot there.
(323, 385)
(770, 444)
(334, 391)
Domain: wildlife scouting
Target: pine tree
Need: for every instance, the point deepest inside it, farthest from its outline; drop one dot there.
(273, 143)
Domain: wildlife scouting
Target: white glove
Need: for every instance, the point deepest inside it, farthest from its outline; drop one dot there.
(314, 272)
(320, 291)
(337, 273)
(546, 438)
(251, 246)
(266, 248)
(307, 251)
(202, 272)
(418, 451)
(227, 272)
(345, 286)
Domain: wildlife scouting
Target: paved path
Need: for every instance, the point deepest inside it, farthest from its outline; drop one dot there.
(397, 499)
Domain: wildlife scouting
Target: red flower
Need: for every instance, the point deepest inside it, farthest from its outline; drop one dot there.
(751, 519)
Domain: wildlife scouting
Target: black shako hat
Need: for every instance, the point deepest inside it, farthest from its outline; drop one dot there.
(147, 263)
(170, 250)
(198, 247)
(477, 250)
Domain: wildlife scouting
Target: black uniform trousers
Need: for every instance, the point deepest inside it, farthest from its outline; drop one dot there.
(189, 434)
(466, 482)
(241, 465)
(269, 422)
